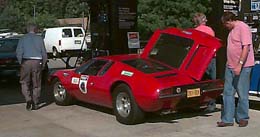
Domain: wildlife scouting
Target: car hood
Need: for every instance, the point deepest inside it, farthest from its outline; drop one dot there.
(189, 51)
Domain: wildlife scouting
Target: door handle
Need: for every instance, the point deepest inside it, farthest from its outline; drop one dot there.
(91, 83)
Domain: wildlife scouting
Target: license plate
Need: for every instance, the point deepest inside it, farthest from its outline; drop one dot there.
(193, 92)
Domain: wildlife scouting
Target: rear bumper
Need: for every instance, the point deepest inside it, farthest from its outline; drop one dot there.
(175, 102)
(185, 93)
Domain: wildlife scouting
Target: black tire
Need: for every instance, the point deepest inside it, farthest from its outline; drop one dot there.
(212, 106)
(125, 108)
(60, 94)
(45, 74)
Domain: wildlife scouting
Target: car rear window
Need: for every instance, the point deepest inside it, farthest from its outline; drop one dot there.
(171, 49)
(146, 66)
(8, 45)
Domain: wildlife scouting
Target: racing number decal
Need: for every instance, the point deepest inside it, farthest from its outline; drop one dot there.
(83, 84)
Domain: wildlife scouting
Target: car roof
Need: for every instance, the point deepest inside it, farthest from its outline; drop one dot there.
(13, 37)
(66, 27)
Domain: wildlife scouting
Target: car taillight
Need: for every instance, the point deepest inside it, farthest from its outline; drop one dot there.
(59, 42)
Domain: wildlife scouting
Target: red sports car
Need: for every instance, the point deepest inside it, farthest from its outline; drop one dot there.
(167, 75)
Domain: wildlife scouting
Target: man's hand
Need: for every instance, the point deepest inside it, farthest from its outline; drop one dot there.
(237, 69)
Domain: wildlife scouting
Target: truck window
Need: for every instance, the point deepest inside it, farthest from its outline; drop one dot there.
(78, 33)
(66, 33)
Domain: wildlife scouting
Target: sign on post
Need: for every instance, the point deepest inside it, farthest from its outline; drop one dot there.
(255, 5)
(133, 40)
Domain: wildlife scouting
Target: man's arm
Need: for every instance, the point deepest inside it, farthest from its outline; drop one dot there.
(44, 54)
(242, 59)
(19, 51)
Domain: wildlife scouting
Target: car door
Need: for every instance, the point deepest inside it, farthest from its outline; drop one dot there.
(67, 42)
(78, 38)
(92, 86)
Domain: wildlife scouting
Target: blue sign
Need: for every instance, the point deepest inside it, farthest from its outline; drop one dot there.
(255, 5)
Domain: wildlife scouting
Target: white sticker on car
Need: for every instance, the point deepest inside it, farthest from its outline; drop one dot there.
(127, 73)
(83, 84)
(75, 80)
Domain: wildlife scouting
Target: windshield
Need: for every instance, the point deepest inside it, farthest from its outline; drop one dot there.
(4, 30)
(171, 49)
(8, 45)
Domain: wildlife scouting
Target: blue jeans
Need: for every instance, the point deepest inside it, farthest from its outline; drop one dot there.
(229, 111)
(211, 70)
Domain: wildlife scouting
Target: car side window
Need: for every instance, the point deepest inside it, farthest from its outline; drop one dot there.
(66, 33)
(94, 67)
(106, 68)
(78, 33)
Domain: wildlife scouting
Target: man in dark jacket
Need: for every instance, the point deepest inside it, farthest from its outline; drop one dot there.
(32, 56)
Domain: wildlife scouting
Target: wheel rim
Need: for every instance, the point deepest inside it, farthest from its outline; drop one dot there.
(59, 92)
(123, 104)
(54, 53)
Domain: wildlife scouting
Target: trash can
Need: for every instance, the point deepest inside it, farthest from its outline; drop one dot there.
(255, 79)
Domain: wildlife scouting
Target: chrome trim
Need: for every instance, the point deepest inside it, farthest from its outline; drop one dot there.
(172, 95)
(210, 90)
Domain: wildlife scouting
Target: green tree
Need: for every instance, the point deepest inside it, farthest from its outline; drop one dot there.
(154, 14)
(75, 9)
(44, 12)
(11, 18)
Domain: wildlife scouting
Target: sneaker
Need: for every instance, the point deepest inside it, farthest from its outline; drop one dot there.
(29, 105)
(35, 106)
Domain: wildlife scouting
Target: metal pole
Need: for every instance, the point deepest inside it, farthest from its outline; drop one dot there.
(34, 14)
(83, 23)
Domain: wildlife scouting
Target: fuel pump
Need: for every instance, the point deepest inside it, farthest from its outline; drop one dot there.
(110, 21)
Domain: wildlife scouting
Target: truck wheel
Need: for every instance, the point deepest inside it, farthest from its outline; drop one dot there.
(60, 94)
(125, 108)
(55, 52)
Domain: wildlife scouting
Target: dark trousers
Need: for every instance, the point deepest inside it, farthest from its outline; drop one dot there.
(31, 71)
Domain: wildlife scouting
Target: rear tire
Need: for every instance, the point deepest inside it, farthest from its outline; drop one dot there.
(60, 94)
(125, 108)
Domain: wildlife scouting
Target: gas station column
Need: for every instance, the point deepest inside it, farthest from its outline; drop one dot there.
(110, 21)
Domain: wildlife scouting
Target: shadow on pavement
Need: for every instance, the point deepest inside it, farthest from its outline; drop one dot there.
(10, 92)
(154, 117)
(254, 104)
(174, 117)
(95, 107)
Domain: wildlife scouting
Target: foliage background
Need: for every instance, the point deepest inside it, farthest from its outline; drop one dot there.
(152, 14)
(16, 13)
